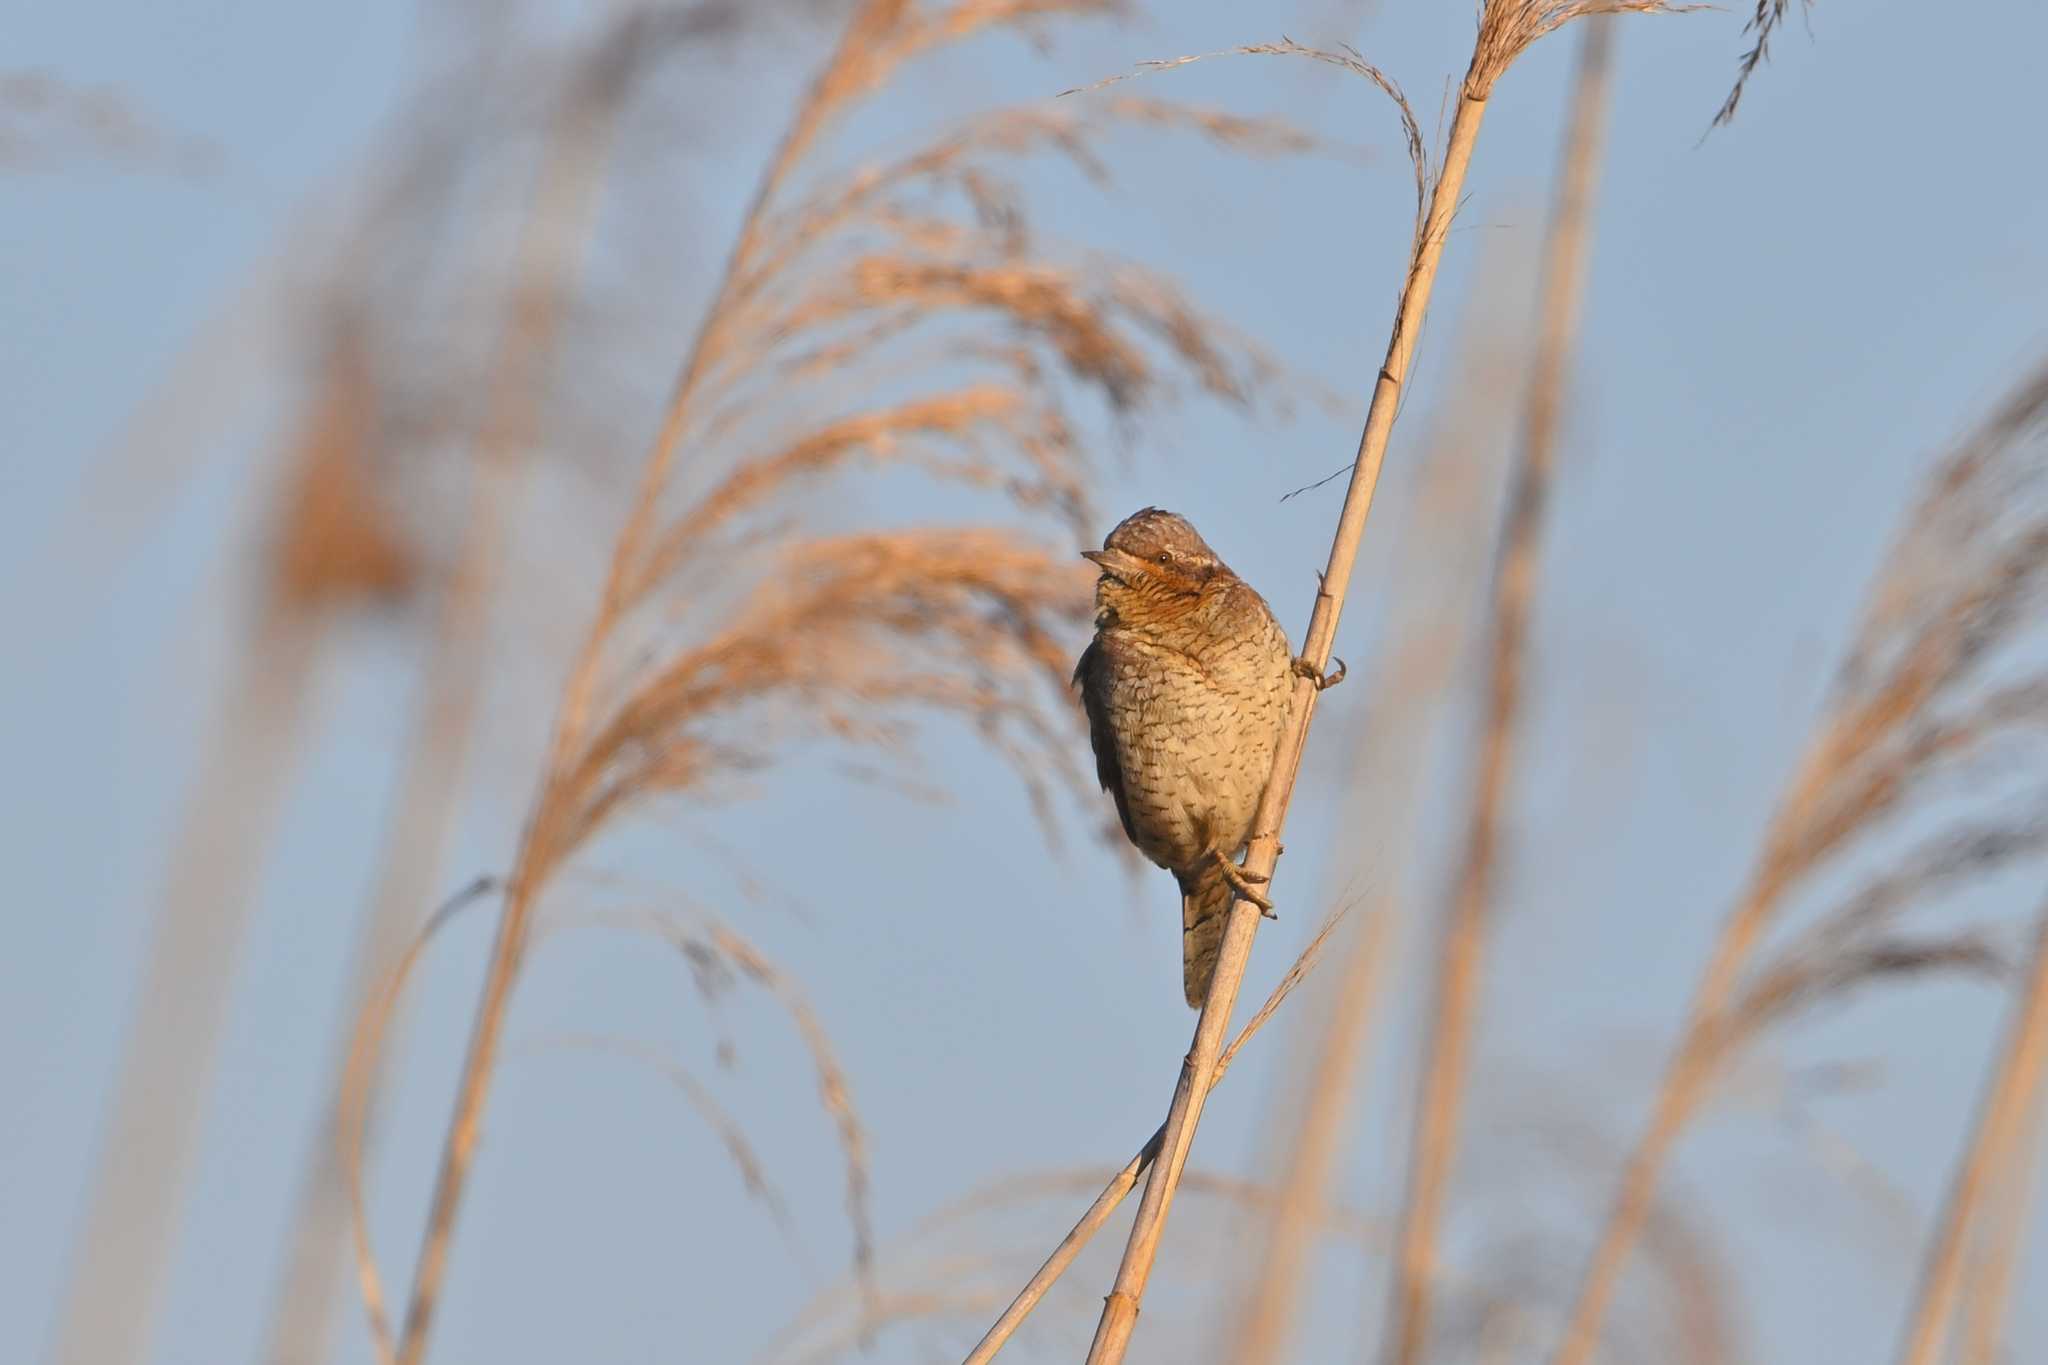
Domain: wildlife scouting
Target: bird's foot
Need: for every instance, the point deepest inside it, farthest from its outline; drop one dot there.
(1323, 681)
(1244, 882)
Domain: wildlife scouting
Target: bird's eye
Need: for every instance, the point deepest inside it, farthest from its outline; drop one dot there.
(1166, 556)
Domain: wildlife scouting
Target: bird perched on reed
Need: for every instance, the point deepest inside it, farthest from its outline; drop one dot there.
(1187, 685)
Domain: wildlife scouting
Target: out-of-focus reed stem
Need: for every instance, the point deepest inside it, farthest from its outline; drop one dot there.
(1988, 1290)
(1120, 1310)
(556, 227)
(1439, 1107)
(2008, 1099)
(147, 1148)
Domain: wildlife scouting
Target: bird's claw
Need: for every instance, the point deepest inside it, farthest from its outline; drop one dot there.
(1323, 681)
(1243, 881)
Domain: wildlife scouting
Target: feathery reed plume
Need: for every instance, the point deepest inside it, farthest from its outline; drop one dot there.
(717, 635)
(1506, 28)
(2009, 1098)
(1440, 554)
(1911, 706)
(1763, 22)
(1433, 1144)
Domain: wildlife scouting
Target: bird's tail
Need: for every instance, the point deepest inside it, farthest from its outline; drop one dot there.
(1205, 898)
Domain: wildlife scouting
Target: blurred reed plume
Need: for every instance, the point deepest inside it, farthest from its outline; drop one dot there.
(898, 319)
(1937, 687)
(425, 384)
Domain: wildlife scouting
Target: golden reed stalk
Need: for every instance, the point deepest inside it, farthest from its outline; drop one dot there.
(1506, 28)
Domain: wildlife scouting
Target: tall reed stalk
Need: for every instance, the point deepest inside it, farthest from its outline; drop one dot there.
(1506, 28)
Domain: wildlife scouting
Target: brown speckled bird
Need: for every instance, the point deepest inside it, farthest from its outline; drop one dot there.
(1187, 686)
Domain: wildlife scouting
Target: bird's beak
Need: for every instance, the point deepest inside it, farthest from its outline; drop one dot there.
(1115, 563)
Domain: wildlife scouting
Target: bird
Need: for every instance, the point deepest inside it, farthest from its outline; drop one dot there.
(1188, 686)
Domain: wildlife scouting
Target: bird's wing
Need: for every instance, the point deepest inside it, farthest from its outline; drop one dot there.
(1092, 676)
(1251, 600)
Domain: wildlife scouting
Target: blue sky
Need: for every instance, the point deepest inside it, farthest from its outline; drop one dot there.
(1786, 322)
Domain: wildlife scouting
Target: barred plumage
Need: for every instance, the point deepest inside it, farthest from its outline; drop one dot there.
(1187, 686)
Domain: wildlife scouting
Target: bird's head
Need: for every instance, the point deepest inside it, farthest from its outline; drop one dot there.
(1152, 557)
